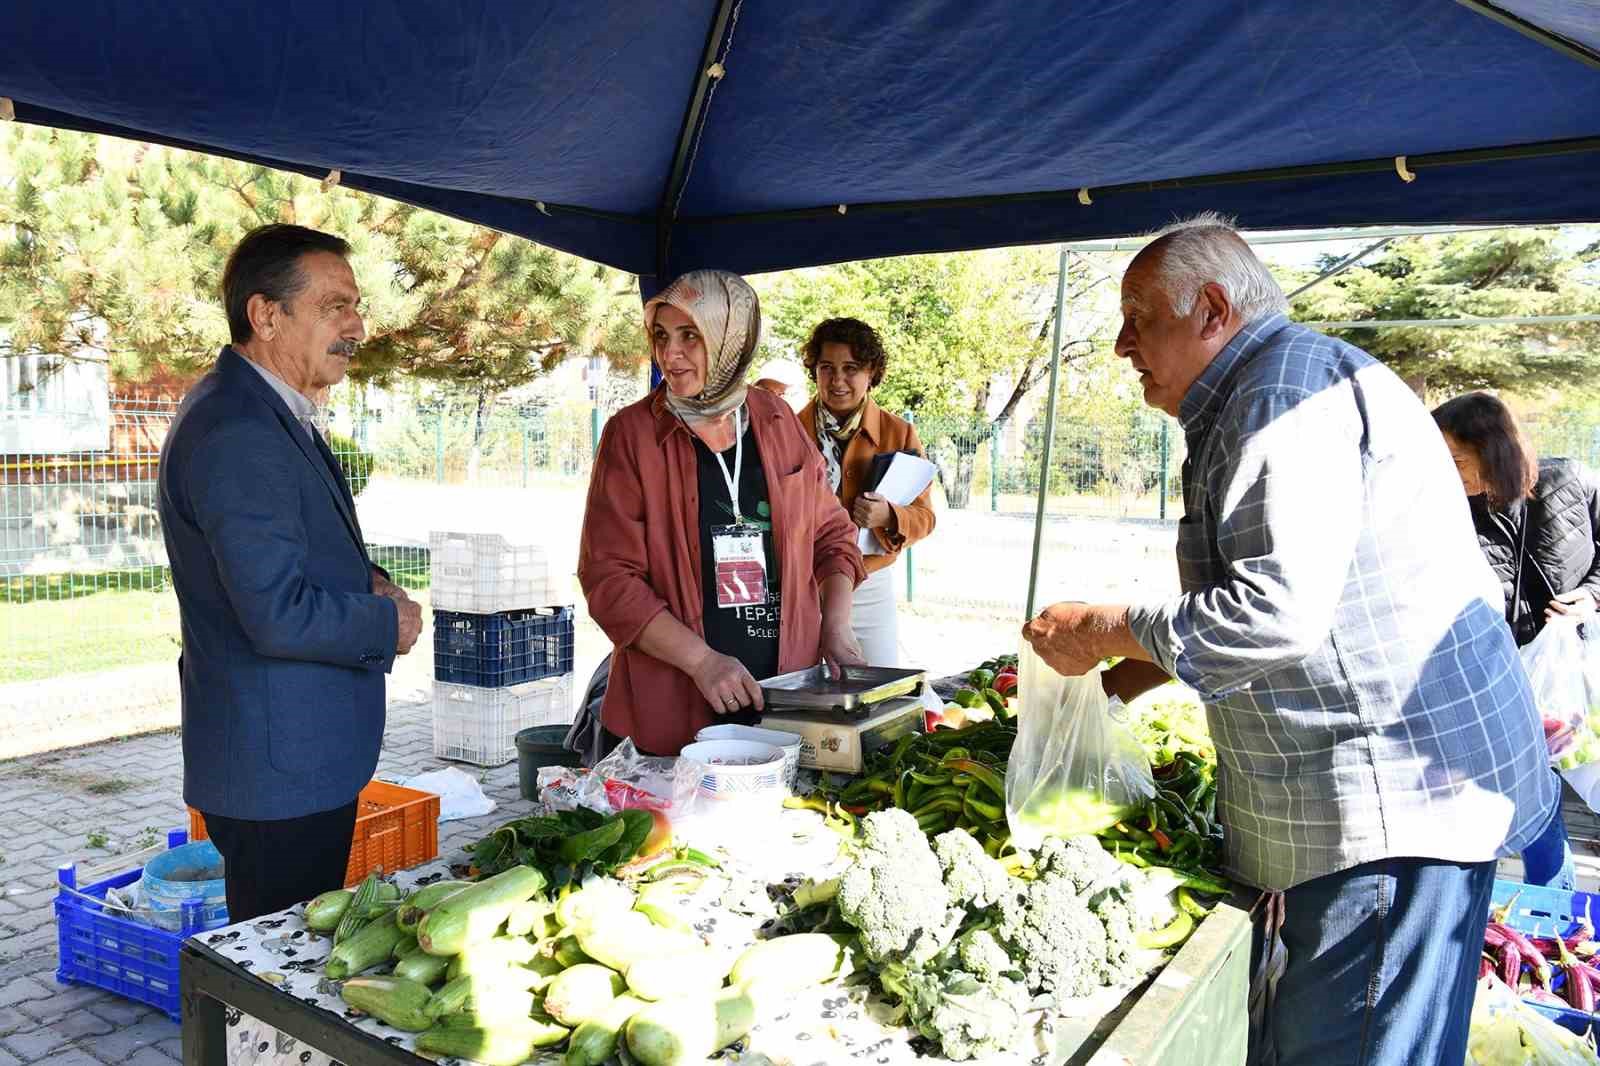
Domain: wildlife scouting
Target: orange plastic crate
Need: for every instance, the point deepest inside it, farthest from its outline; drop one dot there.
(396, 828)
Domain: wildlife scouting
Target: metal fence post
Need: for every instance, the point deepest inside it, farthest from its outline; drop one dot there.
(994, 465)
(438, 448)
(594, 430)
(1166, 455)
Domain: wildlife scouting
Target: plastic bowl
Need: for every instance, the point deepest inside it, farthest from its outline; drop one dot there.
(738, 770)
(537, 747)
(788, 742)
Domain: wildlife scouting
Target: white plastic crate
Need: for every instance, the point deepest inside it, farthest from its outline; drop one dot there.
(480, 573)
(480, 725)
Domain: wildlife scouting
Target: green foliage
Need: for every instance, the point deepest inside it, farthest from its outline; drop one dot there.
(1489, 275)
(115, 246)
(357, 464)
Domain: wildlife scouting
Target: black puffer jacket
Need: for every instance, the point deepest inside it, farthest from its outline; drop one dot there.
(1563, 526)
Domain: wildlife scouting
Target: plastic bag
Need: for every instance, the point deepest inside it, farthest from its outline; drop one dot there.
(1075, 767)
(627, 779)
(460, 794)
(1554, 661)
(1505, 1029)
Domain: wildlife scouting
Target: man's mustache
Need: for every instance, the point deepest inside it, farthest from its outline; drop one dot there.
(346, 348)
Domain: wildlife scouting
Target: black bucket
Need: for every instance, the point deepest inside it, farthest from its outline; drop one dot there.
(543, 745)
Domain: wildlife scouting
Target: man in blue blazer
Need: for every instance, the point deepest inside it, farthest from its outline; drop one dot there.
(288, 628)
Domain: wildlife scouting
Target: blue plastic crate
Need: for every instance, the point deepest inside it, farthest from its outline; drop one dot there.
(508, 648)
(97, 945)
(1549, 912)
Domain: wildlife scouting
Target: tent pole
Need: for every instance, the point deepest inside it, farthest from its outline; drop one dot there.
(1049, 428)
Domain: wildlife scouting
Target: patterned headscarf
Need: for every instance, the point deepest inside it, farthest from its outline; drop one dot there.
(724, 308)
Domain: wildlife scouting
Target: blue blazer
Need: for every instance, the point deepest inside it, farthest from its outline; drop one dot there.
(284, 645)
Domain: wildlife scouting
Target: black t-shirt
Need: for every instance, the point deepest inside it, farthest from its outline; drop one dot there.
(749, 634)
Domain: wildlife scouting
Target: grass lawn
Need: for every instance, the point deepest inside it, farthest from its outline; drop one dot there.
(85, 633)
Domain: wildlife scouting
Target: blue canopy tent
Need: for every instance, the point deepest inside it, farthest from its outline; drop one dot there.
(754, 135)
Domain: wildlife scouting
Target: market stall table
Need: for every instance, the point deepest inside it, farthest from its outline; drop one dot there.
(255, 992)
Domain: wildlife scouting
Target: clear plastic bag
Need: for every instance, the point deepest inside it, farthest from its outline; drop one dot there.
(1075, 767)
(1554, 661)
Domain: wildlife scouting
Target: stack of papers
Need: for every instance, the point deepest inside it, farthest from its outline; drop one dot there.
(898, 477)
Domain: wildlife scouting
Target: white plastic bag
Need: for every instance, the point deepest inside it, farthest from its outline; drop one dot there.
(1075, 767)
(1554, 661)
(460, 795)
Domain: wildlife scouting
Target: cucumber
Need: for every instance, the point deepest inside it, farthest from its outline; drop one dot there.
(599, 897)
(793, 962)
(414, 906)
(392, 1000)
(407, 945)
(689, 1029)
(422, 968)
(697, 972)
(324, 912)
(525, 915)
(595, 1041)
(477, 911)
(504, 1044)
(372, 945)
(581, 993)
(355, 915)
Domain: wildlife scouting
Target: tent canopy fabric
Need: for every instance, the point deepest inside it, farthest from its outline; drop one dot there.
(755, 135)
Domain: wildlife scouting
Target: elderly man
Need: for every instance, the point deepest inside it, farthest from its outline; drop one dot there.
(288, 628)
(1377, 740)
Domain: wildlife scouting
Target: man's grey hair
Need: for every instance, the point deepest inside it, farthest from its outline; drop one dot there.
(1207, 248)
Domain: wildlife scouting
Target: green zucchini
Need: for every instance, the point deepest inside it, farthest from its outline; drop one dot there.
(392, 1000)
(372, 945)
(407, 945)
(795, 962)
(525, 915)
(567, 952)
(324, 913)
(505, 1044)
(496, 953)
(576, 995)
(476, 912)
(422, 968)
(689, 1029)
(599, 897)
(625, 937)
(414, 906)
(595, 1041)
(696, 972)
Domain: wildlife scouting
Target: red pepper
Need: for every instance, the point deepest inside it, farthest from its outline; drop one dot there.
(1163, 841)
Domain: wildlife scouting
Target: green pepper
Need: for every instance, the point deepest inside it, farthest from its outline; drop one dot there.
(987, 777)
(1210, 886)
(929, 779)
(1132, 858)
(968, 698)
(1191, 906)
(1175, 932)
(989, 811)
(912, 795)
(981, 679)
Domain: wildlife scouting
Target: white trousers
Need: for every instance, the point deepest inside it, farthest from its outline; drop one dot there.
(872, 617)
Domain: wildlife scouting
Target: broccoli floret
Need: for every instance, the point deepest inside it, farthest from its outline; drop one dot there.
(966, 1016)
(981, 955)
(1080, 859)
(1116, 914)
(1057, 939)
(975, 879)
(893, 894)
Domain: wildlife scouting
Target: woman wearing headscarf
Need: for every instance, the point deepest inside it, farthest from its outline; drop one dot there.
(846, 359)
(713, 551)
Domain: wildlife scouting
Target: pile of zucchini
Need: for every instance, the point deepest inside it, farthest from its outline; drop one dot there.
(496, 971)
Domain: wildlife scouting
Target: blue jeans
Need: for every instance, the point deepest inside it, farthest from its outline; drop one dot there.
(1381, 964)
(1548, 860)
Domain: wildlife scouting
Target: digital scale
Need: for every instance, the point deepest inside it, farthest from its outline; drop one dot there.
(841, 721)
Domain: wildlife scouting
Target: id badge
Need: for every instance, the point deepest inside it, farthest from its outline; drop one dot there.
(740, 555)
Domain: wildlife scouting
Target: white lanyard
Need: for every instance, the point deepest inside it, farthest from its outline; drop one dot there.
(738, 464)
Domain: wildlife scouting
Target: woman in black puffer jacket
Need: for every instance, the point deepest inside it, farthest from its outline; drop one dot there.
(1547, 513)
(1538, 524)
